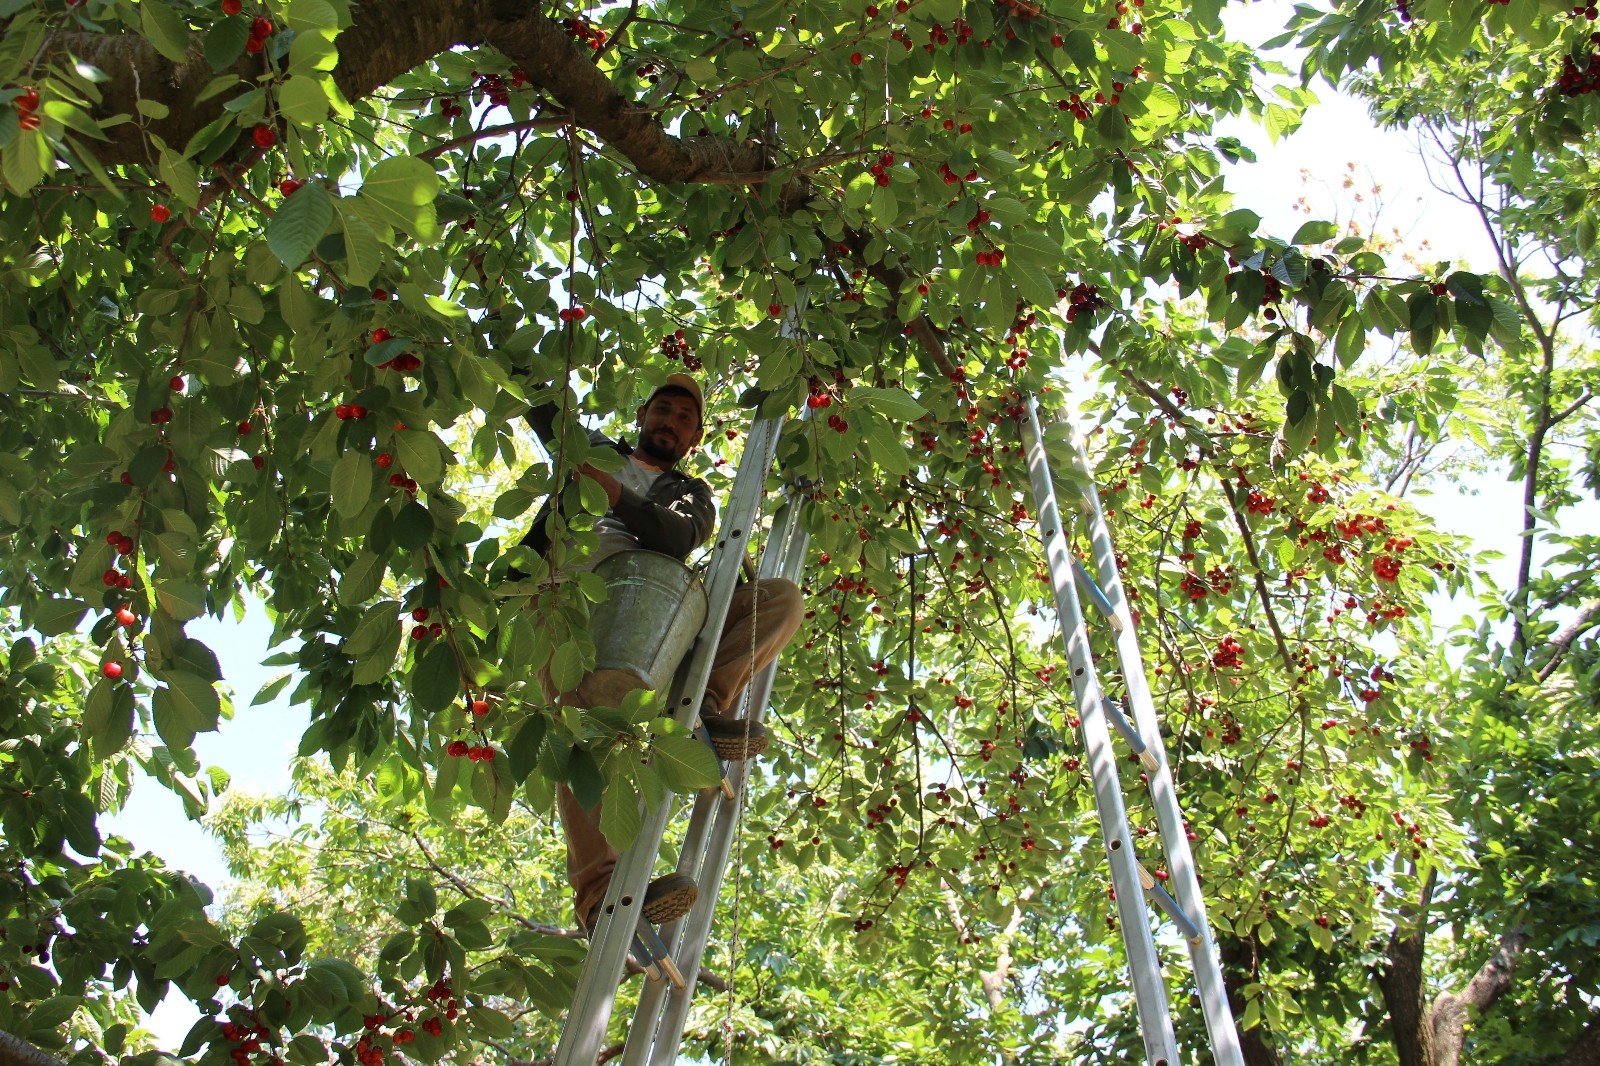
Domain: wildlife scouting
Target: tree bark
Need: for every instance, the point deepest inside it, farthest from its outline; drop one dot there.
(1241, 960)
(1448, 1019)
(1400, 981)
(16, 1052)
(386, 39)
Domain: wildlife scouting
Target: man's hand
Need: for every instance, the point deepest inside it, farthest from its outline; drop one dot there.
(606, 481)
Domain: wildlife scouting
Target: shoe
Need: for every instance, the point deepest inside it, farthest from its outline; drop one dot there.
(667, 898)
(735, 739)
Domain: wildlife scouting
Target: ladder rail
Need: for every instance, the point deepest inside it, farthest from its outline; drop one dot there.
(1150, 993)
(1183, 877)
(587, 1020)
(659, 1020)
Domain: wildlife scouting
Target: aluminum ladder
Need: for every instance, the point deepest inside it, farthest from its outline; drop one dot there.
(671, 957)
(1098, 716)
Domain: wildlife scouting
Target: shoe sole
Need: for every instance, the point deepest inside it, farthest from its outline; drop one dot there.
(670, 906)
(733, 744)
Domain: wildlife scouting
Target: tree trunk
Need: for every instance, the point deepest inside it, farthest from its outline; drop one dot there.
(1241, 965)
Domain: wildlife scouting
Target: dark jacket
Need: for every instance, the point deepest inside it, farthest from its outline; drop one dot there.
(674, 518)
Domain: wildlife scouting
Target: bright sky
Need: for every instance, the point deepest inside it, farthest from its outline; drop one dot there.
(256, 747)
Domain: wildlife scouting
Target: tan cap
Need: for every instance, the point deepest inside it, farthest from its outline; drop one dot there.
(687, 384)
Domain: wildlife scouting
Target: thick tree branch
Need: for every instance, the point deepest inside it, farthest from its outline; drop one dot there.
(386, 39)
(1588, 615)
(17, 1052)
(1448, 1019)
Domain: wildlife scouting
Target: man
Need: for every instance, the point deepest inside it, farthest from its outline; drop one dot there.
(658, 507)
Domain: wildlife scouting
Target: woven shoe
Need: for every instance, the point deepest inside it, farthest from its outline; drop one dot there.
(667, 898)
(735, 739)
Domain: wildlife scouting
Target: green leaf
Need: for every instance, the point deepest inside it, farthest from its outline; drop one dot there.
(420, 454)
(435, 680)
(413, 526)
(523, 751)
(302, 101)
(108, 718)
(361, 579)
(351, 483)
(620, 820)
(1315, 232)
(401, 190)
(186, 704)
(54, 617)
(299, 224)
(165, 29)
(566, 667)
(225, 42)
(181, 599)
(897, 404)
(685, 764)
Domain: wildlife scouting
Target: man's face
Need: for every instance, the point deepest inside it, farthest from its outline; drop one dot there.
(669, 428)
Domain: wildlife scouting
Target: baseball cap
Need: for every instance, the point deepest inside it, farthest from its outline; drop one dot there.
(687, 384)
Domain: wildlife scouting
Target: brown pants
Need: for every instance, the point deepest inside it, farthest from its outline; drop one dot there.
(762, 617)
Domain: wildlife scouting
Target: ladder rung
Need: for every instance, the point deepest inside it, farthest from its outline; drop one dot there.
(1147, 758)
(1168, 905)
(661, 955)
(1097, 596)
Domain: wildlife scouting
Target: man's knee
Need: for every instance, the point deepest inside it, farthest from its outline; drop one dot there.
(781, 599)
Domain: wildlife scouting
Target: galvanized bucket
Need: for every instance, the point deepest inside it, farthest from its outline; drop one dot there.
(653, 610)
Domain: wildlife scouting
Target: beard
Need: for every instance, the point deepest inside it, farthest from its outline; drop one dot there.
(660, 444)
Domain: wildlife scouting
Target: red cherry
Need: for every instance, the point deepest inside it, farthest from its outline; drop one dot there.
(357, 411)
(419, 615)
(380, 335)
(222, 978)
(28, 100)
(253, 45)
(264, 136)
(341, 411)
(232, 7)
(160, 212)
(245, 428)
(175, 383)
(384, 460)
(480, 708)
(28, 120)
(257, 461)
(126, 617)
(113, 670)
(289, 186)
(260, 27)
(855, 59)
(774, 310)
(380, 294)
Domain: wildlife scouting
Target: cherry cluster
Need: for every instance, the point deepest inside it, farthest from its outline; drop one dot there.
(494, 87)
(1576, 80)
(246, 1039)
(1083, 299)
(880, 169)
(579, 30)
(1229, 654)
(676, 349)
(27, 105)
(951, 177)
(422, 630)
(260, 30)
(404, 363)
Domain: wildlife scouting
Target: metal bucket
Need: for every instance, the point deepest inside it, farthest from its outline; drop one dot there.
(653, 611)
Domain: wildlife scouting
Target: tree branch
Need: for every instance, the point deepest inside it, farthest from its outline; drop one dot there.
(1448, 1019)
(17, 1052)
(1561, 643)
